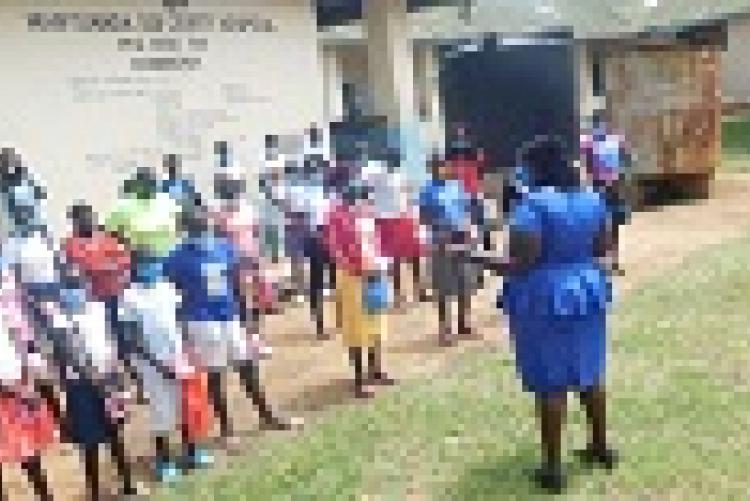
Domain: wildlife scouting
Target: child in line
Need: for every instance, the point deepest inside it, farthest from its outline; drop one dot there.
(29, 253)
(145, 218)
(234, 219)
(397, 224)
(27, 423)
(445, 209)
(104, 264)
(98, 260)
(202, 267)
(466, 162)
(95, 401)
(149, 308)
(350, 237)
(607, 159)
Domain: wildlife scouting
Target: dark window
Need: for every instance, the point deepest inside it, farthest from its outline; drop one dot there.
(335, 12)
(171, 4)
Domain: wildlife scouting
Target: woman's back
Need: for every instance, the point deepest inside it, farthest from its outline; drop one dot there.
(568, 223)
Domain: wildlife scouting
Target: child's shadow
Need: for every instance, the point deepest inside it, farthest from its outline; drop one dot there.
(322, 396)
(502, 477)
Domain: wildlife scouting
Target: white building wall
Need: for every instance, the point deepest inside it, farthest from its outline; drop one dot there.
(736, 64)
(82, 118)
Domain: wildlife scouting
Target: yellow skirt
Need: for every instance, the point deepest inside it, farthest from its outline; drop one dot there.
(359, 329)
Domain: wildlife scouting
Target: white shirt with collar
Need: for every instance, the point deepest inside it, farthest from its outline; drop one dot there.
(33, 256)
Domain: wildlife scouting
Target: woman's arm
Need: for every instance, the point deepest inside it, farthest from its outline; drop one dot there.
(604, 243)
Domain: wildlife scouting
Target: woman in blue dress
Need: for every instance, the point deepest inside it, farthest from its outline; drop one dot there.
(556, 295)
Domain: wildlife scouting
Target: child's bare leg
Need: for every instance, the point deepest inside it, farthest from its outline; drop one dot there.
(117, 449)
(250, 377)
(419, 288)
(397, 284)
(219, 402)
(375, 367)
(444, 321)
(355, 357)
(464, 311)
(35, 472)
(91, 467)
(161, 449)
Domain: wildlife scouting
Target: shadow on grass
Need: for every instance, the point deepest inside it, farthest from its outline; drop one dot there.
(497, 478)
(321, 396)
(511, 477)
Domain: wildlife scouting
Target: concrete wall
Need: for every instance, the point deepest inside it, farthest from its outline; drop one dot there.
(736, 64)
(353, 69)
(74, 108)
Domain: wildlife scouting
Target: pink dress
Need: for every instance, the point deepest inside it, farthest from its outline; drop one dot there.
(27, 426)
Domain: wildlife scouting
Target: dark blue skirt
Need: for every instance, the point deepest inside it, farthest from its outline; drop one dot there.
(87, 421)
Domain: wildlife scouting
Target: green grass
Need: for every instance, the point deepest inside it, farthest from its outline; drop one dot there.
(735, 139)
(735, 134)
(679, 379)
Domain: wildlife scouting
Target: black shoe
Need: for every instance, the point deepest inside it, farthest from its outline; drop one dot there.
(381, 379)
(274, 423)
(550, 478)
(595, 456)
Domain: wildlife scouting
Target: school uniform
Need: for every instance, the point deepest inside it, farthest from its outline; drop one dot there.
(446, 209)
(350, 237)
(308, 203)
(469, 170)
(150, 309)
(27, 423)
(32, 258)
(24, 195)
(89, 378)
(398, 232)
(202, 268)
(104, 264)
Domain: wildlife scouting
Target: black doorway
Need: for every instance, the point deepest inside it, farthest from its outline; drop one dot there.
(509, 91)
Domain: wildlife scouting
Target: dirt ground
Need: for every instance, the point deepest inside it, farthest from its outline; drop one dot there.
(306, 375)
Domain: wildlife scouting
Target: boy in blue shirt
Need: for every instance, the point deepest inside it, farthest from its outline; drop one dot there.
(203, 268)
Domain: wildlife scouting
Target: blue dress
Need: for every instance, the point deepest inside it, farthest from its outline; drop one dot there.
(557, 309)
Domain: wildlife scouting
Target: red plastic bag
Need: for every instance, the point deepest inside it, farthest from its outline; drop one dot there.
(196, 407)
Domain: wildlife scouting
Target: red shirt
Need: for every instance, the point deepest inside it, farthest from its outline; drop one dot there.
(341, 239)
(103, 262)
(345, 242)
(469, 171)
